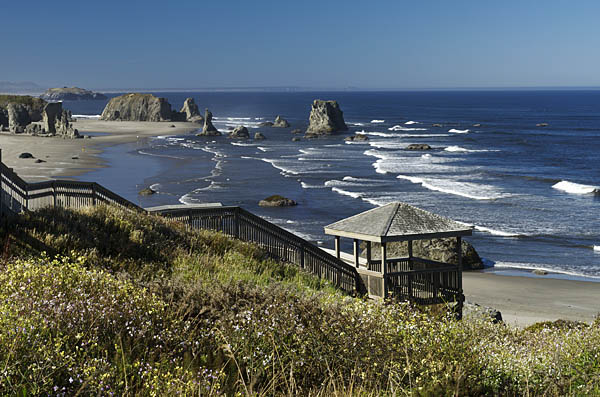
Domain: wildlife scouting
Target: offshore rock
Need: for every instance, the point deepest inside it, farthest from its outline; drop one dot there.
(71, 94)
(418, 146)
(326, 117)
(259, 136)
(137, 107)
(266, 124)
(277, 201)
(239, 132)
(208, 129)
(191, 111)
(357, 138)
(280, 123)
(440, 249)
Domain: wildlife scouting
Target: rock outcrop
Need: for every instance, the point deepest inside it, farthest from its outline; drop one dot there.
(280, 123)
(239, 132)
(266, 124)
(357, 138)
(190, 109)
(33, 105)
(441, 249)
(326, 117)
(137, 107)
(418, 146)
(71, 94)
(259, 136)
(277, 201)
(208, 129)
(18, 117)
(56, 121)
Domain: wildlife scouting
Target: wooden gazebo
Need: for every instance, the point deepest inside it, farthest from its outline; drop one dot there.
(419, 280)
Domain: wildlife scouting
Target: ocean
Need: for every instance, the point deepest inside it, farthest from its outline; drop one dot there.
(531, 192)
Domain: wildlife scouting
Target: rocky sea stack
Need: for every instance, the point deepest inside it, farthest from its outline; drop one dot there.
(22, 114)
(71, 94)
(277, 201)
(280, 122)
(191, 112)
(137, 107)
(326, 117)
(209, 129)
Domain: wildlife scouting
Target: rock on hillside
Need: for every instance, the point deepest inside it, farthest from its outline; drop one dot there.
(71, 94)
(326, 117)
(137, 107)
(441, 249)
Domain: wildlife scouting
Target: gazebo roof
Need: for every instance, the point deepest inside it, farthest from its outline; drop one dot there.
(397, 222)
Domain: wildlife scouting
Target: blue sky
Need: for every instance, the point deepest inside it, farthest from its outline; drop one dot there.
(321, 44)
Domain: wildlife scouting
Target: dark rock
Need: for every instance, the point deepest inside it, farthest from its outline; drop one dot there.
(259, 136)
(441, 250)
(473, 311)
(297, 131)
(266, 124)
(277, 201)
(296, 139)
(40, 161)
(542, 125)
(311, 135)
(178, 116)
(146, 192)
(75, 158)
(191, 111)
(208, 129)
(26, 155)
(436, 125)
(326, 117)
(137, 107)
(71, 94)
(172, 126)
(239, 132)
(280, 123)
(357, 138)
(418, 146)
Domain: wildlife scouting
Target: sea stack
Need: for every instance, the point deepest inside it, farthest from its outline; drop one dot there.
(280, 122)
(190, 109)
(137, 107)
(326, 117)
(209, 129)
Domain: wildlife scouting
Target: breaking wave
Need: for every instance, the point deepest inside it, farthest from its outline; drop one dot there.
(576, 188)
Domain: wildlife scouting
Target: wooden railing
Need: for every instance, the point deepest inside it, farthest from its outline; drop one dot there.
(279, 243)
(17, 195)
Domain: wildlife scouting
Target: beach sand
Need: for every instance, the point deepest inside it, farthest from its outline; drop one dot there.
(521, 300)
(70, 157)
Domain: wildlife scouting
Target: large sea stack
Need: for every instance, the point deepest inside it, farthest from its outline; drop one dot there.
(190, 109)
(137, 107)
(326, 117)
(209, 129)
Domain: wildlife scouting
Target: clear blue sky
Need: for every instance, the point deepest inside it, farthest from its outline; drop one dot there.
(322, 44)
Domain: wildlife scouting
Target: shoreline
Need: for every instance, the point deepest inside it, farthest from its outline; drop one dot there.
(522, 297)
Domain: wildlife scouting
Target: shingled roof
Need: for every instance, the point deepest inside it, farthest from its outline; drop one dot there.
(397, 222)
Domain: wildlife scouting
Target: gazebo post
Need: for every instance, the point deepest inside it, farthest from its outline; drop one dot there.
(410, 255)
(383, 268)
(461, 297)
(356, 252)
(337, 247)
(368, 254)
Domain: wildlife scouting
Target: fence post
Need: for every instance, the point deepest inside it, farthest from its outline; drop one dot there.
(94, 194)
(1, 186)
(54, 192)
(302, 256)
(236, 222)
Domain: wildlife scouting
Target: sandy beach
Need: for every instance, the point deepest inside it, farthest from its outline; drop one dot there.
(70, 157)
(521, 300)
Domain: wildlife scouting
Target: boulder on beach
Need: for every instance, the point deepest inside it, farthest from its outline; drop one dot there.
(277, 201)
(280, 123)
(326, 117)
(71, 94)
(440, 249)
(259, 136)
(239, 132)
(191, 111)
(137, 107)
(357, 138)
(26, 155)
(208, 129)
(418, 146)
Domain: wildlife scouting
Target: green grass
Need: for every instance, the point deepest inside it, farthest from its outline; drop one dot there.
(22, 99)
(104, 301)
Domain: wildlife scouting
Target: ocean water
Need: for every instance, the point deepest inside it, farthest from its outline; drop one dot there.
(532, 193)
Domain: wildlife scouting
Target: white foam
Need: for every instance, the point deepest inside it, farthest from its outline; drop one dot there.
(576, 188)
(357, 124)
(494, 232)
(426, 156)
(377, 133)
(377, 121)
(86, 116)
(307, 186)
(540, 266)
(462, 149)
(458, 188)
(347, 193)
(454, 130)
(160, 155)
(243, 144)
(597, 248)
(401, 128)
(264, 149)
(411, 122)
(155, 187)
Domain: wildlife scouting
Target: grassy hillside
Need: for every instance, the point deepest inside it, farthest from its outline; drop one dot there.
(34, 102)
(104, 301)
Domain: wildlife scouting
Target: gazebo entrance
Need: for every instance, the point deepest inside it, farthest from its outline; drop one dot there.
(418, 280)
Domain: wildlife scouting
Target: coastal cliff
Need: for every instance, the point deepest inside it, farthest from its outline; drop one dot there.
(71, 94)
(137, 107)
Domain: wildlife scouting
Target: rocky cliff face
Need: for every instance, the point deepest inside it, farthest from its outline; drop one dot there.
(326, 117)
(137, 107)
(18, 117)
(21, 103)
(71, 94)
(441, 249)
(191, 111)
(56, 121)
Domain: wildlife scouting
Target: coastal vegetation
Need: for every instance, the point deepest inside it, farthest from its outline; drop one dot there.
(103, 301)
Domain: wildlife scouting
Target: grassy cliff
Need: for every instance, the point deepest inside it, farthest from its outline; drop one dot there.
(103, 301)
